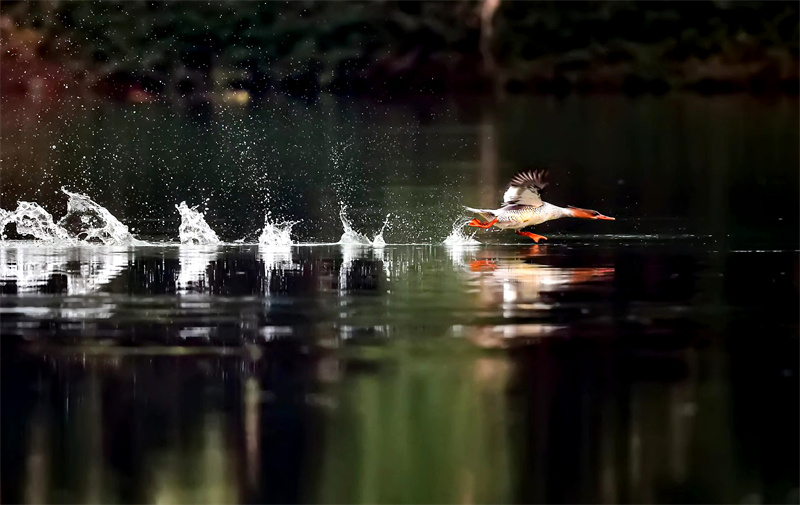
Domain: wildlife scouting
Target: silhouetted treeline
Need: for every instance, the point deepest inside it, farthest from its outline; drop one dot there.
(384, 47)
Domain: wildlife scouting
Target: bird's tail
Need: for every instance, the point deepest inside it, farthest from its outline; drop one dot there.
(487, 214)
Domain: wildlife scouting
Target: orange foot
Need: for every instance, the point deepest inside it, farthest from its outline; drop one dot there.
(536, 238)
(477, 224)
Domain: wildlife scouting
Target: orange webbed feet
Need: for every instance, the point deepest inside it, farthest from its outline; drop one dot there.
(536, 238)
(477, 224)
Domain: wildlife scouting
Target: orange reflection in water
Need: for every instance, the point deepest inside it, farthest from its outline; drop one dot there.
(524, 290)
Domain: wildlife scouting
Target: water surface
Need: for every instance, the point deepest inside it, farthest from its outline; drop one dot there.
(649, 359)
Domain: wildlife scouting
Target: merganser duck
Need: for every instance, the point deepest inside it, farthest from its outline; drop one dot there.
(523, 206)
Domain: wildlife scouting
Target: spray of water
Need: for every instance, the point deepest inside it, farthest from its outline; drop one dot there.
(4, 219)
(193, 228)
(276, 235)
(32, 220)
(351, 236)
(458, 238)
(378, 241)
(90, 222)
(275, 248)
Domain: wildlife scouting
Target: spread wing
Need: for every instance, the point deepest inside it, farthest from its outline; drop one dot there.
(525, 188)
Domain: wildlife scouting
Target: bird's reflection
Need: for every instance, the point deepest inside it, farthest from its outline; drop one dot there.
(522, 282)
(526, 289)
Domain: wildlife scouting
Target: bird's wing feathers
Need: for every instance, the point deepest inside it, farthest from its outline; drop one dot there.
(525, 188)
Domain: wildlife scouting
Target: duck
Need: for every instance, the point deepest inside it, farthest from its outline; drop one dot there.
(523, 207)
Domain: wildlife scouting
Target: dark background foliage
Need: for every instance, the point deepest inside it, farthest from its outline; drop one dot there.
(304, 47)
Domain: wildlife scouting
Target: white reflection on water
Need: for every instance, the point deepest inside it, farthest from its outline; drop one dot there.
(488, 294)
(86, 270)
(276, 257)
(97, 269)
(192, 278)
(194, 261)
(459, 253)
(350, 254)
(21, 267)
(31, 268)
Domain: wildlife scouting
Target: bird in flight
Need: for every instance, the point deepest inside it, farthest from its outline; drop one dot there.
(523, 206)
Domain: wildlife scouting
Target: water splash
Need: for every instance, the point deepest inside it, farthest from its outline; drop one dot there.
(351, 236)
(458, 238)
(193, 228)
(90, 222)
(275, 249)
(4, 219)
(378, 241)
(276, 235)
(31, 219)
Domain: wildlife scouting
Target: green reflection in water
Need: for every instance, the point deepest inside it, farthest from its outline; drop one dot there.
(421, 429)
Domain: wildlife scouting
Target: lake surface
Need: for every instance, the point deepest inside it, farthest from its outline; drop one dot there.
(649, 359)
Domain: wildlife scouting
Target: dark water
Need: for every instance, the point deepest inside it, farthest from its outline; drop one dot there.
(649, 359)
